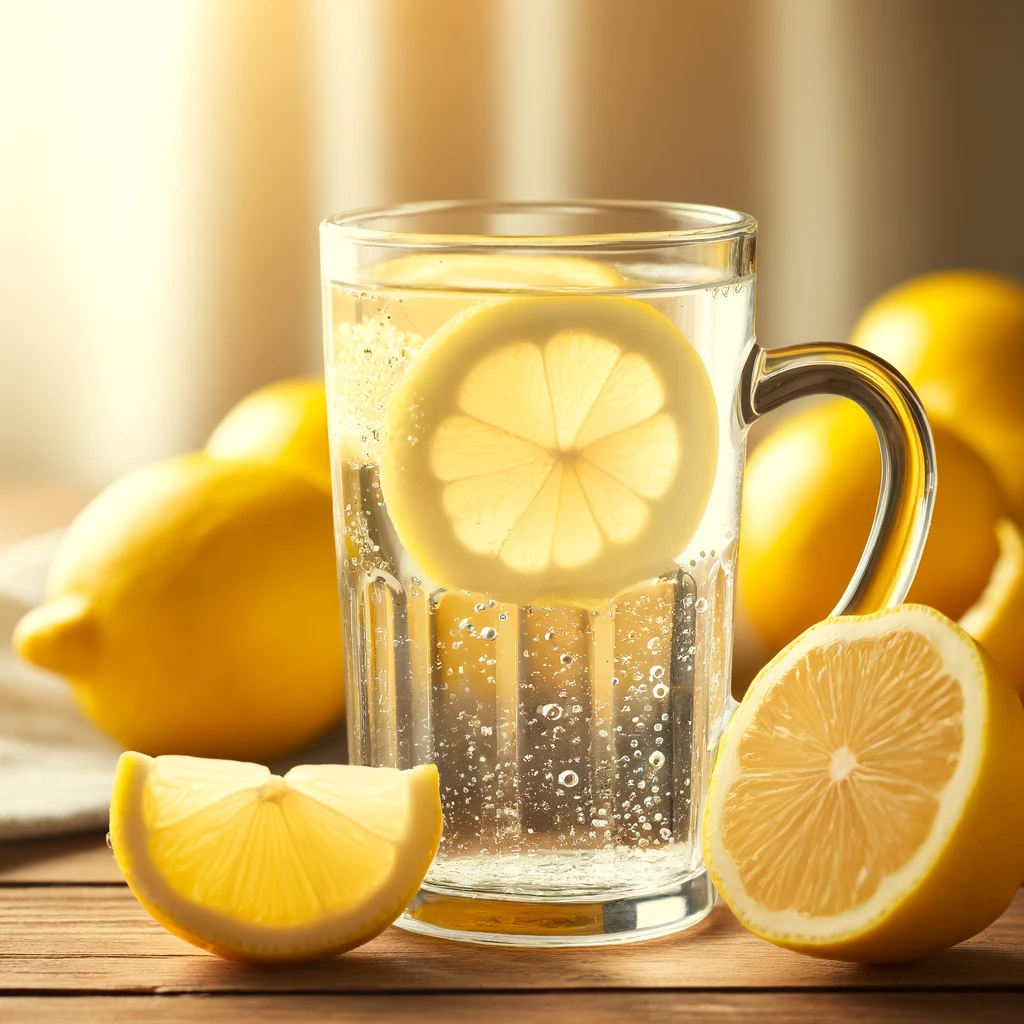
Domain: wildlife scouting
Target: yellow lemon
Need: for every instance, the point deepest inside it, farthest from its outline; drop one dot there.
(283, 422)
(959, 338)
(867, 802)
(261, 867)
(193, 608)
(809, 495)
(558, 448)
(996, 619)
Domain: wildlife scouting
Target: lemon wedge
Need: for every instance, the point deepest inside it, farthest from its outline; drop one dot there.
(996, 619)
(550, 448)
(867, 802)
(260, 867)
(490, 271)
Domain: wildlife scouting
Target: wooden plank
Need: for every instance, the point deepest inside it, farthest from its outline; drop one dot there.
(100, 939)
(526, 1008)
(78, 860)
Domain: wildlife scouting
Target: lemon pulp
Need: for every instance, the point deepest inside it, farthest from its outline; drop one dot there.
(551, 447)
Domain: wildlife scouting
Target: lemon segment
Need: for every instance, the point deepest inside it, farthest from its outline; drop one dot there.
(867, 802)
(560, 448)
(996, 619)
(255, 866)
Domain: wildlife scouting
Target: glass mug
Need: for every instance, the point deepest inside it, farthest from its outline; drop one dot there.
(573, 724)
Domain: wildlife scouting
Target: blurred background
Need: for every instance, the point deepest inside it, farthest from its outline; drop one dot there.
(163, 169)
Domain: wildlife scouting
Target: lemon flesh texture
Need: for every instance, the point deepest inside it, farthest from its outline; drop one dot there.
(284, 422)
(867, 802)
(551, 449)
(255, 866)
(996, 620)
(494, 271)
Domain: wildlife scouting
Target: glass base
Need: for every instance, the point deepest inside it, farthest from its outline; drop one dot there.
(587, 922)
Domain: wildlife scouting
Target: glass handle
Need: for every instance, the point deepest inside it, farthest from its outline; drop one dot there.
(907, 492)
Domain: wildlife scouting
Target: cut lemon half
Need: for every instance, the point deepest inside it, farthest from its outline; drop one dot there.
(867, 802)
(260, 867)
(551, 448)
(996, 619)
(490, 271)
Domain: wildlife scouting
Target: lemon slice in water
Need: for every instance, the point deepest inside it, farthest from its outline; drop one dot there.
(494, 271)
(551, 448)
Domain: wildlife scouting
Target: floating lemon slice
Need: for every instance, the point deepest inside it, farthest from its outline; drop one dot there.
(255, 866)
(490, 271)
(551, 448)
(867, 802)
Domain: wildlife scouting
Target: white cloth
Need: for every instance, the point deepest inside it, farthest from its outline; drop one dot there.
(56, 770)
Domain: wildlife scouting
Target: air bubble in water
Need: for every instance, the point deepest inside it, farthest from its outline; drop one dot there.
(551, 711)
(657, 672)
(566, 659)
(659, 690)
(657, 759)
(489, 633)
(479, 607)
(701, 605)
(503, 616)
(568, 779)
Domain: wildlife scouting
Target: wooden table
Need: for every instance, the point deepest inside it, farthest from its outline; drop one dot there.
(76, 946)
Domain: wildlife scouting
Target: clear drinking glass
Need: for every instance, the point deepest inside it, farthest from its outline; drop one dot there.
(573, 732)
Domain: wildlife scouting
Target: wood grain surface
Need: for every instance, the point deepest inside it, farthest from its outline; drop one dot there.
(75, 944)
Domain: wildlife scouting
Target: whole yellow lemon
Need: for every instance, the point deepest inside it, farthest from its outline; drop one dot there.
(808, 499)
(193, 608)
(283, 422)
(959, 339)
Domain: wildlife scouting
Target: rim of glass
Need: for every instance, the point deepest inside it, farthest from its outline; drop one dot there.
(722, 224)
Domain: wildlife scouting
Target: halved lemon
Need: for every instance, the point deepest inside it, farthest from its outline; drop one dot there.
(867, 802)
(260, 867)
(996, 619)
(494, 271)
(551, 448)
